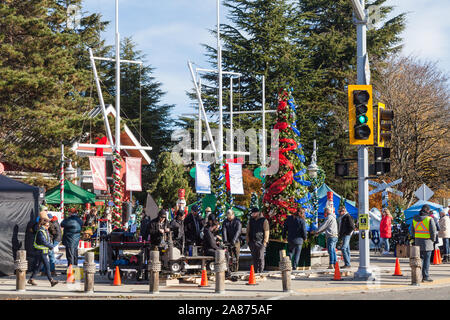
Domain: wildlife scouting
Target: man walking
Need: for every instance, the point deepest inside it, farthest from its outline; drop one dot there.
(423, 230)
(295, 226)
(71, 236)
(231, 232)
(346, 228)
(331, 232)
(257, 238)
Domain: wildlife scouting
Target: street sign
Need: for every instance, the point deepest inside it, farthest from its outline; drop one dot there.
(424, 193)
(364, 222)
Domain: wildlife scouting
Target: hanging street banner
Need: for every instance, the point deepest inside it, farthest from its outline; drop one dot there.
(202, 177)
(133, 174)
(98, 169)
(236, 180)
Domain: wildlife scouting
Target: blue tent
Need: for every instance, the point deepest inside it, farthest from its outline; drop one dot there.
(415, 209)
(322, 195)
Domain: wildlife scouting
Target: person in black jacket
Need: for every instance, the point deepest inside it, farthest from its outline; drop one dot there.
(71, 236)
(231, 232)
(55, 236)
(159, 229)
(42, 244)
(257, 236)
(177, 228)
(295, 227)
(193, 225)
(346, 228)
(209, 239)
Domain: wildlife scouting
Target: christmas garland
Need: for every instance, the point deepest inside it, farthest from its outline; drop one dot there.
(117, 191)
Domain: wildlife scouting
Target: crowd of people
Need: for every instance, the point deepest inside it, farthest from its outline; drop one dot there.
(187, 231)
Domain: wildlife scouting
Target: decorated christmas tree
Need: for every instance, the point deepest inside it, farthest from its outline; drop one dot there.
(219, 188)
(286, 190)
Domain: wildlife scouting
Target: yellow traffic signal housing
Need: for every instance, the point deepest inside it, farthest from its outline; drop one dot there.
(360, 115)
(384, 125)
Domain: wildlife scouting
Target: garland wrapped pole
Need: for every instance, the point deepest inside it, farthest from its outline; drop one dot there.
(287, 190)
(117, 191)
(220, 189)
(61, 183)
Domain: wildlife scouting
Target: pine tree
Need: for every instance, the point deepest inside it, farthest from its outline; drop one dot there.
(43, 86)
(167, 179)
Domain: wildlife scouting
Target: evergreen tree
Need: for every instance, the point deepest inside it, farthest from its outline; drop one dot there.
(168, 178)
(43, 85)
(329, 35)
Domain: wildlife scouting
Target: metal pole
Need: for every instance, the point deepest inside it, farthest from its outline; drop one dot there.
(21, 266)
(199, 133)
(100, 97)
(219, 68)
(117, 144)
(61, 181)
(364, 271)
(263, 160)
(231, 115)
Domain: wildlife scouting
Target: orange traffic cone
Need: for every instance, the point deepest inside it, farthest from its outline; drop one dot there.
(117, 281)
(204, 282)
(251, 278)
(439, 256)
(435, 257)
(397, 271)
(337, 272)
(70, 275)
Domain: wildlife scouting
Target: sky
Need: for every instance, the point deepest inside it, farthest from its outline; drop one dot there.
(171, 32)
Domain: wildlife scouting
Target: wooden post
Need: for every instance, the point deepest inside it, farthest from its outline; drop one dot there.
(89, 272)
(416, 265)
(220, 267)
(21, 266)
(285, 268)
(154, 267)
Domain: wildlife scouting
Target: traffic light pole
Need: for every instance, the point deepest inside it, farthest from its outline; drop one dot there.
(364, 271)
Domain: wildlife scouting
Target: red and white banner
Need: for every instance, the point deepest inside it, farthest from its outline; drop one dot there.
(133, 174)
(98, 168)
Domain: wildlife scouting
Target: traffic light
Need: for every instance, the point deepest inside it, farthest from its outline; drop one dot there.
(341, 169)
(360, 111)
(384, 124)
(381, 164)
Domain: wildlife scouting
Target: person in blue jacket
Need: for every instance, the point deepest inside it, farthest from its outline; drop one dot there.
(295, 226)
(71, 236)
(42, 244)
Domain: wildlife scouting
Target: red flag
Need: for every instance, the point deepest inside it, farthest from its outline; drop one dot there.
(133, 174)
(98, 168)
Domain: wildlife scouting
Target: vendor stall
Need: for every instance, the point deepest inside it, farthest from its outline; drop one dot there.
(19, 208)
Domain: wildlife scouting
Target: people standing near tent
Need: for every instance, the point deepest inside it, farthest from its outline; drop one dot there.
(444, 233)
(42, 244)
(159, 229)
(331, 232)
(346, 227)
(385, 229)
(423, 230)
(55, 236)
(71, 236)
(177, 228)
(231, 232)
(257, 238)
(193, 225)
(295, 227)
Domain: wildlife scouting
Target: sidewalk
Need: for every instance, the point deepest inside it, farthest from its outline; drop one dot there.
(310, 282)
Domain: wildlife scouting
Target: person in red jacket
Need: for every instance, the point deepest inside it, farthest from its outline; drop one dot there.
(385, 229)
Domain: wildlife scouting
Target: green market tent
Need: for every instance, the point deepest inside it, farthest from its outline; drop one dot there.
(73, 194)
(210, 200)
